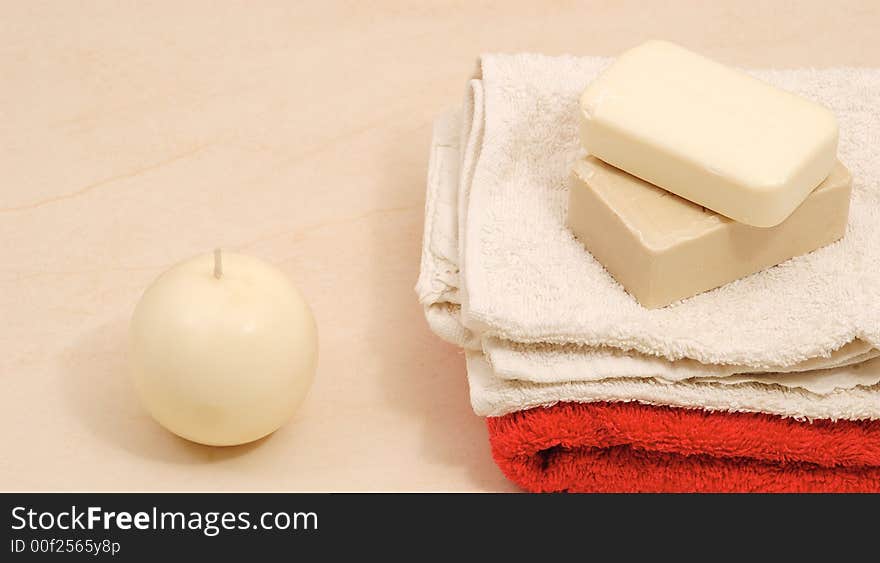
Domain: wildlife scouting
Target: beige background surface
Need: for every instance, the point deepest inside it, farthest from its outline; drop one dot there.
(136, 134)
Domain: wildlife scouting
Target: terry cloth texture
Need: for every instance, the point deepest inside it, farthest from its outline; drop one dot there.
(507, 376)
(494, 396)
(629, 447)
(541, 362)
(587, 391)
(496, 242)
(438, 289)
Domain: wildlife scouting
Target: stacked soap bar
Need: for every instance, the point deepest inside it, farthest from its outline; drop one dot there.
(700, 174)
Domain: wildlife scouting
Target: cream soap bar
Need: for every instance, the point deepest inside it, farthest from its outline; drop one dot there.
(709, 133)
(663, 248)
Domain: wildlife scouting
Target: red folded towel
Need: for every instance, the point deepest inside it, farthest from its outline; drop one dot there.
(631, 447)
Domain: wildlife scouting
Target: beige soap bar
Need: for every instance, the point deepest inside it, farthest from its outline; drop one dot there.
(663, 248)
(711, 134)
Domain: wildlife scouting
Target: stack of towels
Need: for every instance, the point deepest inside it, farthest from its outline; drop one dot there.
(768, 383)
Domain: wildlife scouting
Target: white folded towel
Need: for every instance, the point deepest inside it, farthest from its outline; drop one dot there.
(523, 275)
(446, 217)
(492, 396)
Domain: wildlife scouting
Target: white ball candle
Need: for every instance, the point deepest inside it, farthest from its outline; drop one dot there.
(223, 349)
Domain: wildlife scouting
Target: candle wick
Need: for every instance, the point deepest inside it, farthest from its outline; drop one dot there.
(218, 264)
